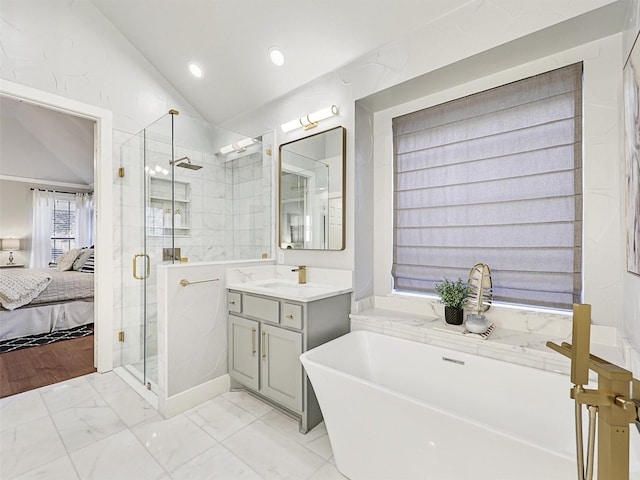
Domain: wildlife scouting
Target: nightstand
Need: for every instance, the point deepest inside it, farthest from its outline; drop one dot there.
(15, 265)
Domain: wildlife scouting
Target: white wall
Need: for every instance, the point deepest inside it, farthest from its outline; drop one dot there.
(71, 50)
(68, 48)
(484, 45)
(15, 218)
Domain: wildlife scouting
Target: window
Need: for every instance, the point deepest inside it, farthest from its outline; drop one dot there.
(72, 222)
(495, 177)
(63, 235)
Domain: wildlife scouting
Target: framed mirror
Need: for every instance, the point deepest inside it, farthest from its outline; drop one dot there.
(311, 202)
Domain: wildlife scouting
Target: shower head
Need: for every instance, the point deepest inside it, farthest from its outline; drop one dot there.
(185, 162)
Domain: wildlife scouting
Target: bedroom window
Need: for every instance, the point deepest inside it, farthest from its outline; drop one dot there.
(495, 177)
(63, 236)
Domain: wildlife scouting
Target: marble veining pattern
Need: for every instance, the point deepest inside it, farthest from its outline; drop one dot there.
(520, 337)
(232, 436)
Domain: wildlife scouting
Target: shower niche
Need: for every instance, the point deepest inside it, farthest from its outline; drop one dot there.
(167, 214)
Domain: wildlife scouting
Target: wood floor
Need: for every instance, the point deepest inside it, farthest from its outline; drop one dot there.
(35, 367)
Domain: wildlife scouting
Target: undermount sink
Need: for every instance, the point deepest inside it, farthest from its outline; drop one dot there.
(282, 285)
(302, 289)
(289, 289)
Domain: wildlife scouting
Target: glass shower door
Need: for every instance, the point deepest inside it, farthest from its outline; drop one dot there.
(146, 233)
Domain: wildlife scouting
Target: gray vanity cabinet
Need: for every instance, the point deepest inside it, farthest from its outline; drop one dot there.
(243, 350)
(280, 369)
(267, 335)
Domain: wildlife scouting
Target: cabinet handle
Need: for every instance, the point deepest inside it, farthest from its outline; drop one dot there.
(232, 303)
(289, 316)
(264, 352)
(253, 341)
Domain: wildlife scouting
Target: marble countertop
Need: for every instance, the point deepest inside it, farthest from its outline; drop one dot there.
(526, 348)
(280, 281)
(306, 292)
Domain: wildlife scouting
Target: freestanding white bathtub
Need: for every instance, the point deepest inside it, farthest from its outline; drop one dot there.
(397, 409)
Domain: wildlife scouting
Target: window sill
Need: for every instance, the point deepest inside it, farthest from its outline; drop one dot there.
(520, 336)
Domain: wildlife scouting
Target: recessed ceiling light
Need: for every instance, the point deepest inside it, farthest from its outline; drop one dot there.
(276, 56)
(195, 70)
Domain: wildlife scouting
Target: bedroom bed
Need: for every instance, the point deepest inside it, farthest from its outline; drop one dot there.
(65, 302)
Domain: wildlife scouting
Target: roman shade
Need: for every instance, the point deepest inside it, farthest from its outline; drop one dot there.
(495, 177)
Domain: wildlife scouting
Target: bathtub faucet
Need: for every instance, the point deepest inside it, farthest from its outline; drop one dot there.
(616, 403)
(302, 273)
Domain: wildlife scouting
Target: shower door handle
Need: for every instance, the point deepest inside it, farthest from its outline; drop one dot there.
(135, 266)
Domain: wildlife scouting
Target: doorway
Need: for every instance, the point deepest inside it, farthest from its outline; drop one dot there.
(103, 194)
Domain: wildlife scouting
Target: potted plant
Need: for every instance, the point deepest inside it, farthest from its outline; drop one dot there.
(454, 295)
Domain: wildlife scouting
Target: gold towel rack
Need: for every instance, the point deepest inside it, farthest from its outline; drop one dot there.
(184, 282)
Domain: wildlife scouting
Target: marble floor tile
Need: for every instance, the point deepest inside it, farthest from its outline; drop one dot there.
(220, 418)
(327, 472)
(271, 454)
(28, 446)
(97, 427)
(129, 406)
(60, 469)
(315, 440)
(107, 383)
(82, 426)
(321, 446)
(77, 392)
(172, 442)
(120, 456)
(217, 463)
(248, 402)
(21, 408)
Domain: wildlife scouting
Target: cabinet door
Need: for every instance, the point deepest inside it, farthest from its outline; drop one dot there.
(281, 370)
(243, 351)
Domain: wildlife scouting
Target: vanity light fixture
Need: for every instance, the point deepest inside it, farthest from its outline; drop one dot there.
(276, 56)
(311, 120)
(195, 70)
(239, 146)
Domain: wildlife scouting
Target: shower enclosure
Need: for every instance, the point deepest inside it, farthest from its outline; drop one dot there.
(189, 192)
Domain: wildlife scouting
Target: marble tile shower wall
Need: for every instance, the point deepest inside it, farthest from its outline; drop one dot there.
(248, 184)
(227, 218)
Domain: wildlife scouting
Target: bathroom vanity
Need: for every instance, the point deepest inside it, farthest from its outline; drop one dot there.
(270, 325)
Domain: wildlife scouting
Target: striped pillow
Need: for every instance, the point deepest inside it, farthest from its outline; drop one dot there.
(88, 267)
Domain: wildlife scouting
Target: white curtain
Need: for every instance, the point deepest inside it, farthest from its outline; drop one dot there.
(42, 229)
(84, 220)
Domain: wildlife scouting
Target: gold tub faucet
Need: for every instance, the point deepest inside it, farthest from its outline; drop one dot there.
(616, 403)
(302, 273)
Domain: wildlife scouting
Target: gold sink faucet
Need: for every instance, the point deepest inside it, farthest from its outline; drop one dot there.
(302, 273)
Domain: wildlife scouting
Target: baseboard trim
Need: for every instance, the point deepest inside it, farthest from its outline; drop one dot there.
(176, 404)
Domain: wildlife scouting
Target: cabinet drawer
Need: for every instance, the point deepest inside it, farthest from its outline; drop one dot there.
(292, 315)
(235, 302)
(261, 308)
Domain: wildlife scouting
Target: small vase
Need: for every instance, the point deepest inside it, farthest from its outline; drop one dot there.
(453, 316)
(476, 323)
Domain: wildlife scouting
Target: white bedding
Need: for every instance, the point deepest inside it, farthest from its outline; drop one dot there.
(69, 285)
(66, 302)
(19, 287)
(34, 320)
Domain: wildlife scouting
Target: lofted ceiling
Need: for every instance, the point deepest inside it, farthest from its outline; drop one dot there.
(40, 143)
(229, 40)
